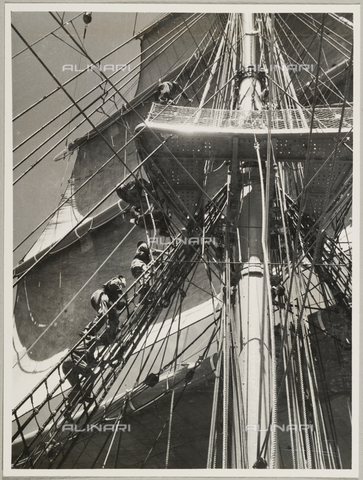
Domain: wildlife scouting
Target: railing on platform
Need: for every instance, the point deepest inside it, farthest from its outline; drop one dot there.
(281, 119)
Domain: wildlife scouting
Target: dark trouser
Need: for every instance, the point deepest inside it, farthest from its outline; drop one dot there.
(76, 375)
(138, 270)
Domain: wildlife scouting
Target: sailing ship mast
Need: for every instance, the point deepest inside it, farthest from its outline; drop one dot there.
(254, 324)
(248, 122)
(246, 317)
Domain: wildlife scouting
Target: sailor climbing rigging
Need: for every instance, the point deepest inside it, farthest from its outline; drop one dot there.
(79, 370)
(133, 192)
(277, 291)
(167, 91)
(148, 220)
(106, 303)
(142, 258)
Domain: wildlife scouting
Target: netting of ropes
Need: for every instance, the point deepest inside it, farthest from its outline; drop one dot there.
(310, 265)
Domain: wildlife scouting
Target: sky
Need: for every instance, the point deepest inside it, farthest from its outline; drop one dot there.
(39, 192)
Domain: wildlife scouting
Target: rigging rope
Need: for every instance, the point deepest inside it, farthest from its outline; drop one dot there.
(150, 129)
(44, 36)
(94, 63)
(170, 419)
(299, 323)
(306, 50)
(330, 87)
(213, 422)
(269, 311)
(329, 40)
(87, 215)
(75, 296)
(163, 46)
(155, 286)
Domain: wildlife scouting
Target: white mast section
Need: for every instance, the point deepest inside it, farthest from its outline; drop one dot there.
(252, 322)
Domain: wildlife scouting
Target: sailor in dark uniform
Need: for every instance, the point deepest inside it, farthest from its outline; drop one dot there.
(277, 291)
(79, 370)
(139, 265)
(82, 365)
(106, 297)
(133, 192)
(148, 220)
(141, 259)
(167, 91)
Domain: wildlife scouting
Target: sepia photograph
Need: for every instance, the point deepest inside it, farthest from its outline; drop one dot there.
(183, 218)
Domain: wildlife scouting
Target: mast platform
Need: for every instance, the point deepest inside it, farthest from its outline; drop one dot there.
(181, 140)
(190, 127)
